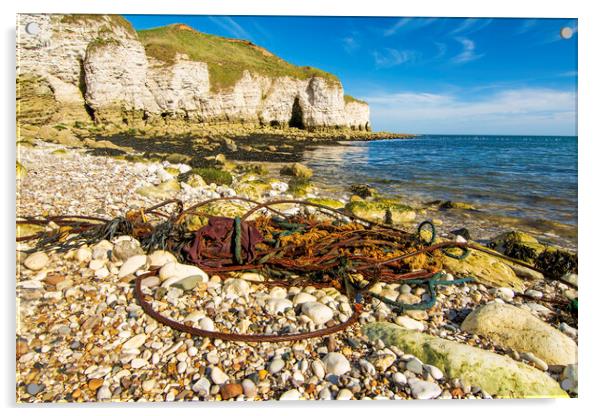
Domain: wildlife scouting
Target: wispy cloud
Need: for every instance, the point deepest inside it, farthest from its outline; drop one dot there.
(390, 57)
(468, 52)
(350, 44)
(231, 26)
(526, 25)
(512, 111)
(470, 25)
(409, 23)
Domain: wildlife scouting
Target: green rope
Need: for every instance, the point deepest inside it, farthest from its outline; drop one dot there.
(431, 284)
(238, 241)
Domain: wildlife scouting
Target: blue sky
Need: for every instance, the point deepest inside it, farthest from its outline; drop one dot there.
(428, 75)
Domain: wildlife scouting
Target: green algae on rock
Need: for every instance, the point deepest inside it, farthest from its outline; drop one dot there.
(297, 170)
(327, 202)
(494, 373)
(211, 175)
(300, 187)
(485, 269)
(552, 261)
(254, 189)
(382, 210)
(512, 327)
(164, 190)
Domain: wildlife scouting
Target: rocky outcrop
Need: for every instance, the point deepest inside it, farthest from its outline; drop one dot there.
(96, 68)
(494, 373)
(512, 327)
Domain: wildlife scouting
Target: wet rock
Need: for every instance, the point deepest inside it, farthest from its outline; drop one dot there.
(382, 210)
(486, 269)
(516, 328)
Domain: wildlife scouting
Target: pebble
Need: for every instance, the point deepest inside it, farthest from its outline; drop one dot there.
(435, 372)
(134, 342)
(218, 376)
(325, 394)
(399, 379)
(383, 361)
(534, 293)
(291, 395)
(303, 297)
(567, 329)
(36, 261)
(230, 390)
(34, 389)
(148, 385)
(159, 258)
(138, 363)
(249, 388)
(132, 265)
(345, 394)
(181, 271)
(276, 365)
(336, 363)
(278, 305)
(415, 366)
(317, 367)
(317, 312)
(83, 255)
(202, 386)
(505, 293)
(425, 390)
(103, 393)
(234, 288)
(206, 324)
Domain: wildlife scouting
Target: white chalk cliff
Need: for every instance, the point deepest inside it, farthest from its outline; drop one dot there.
(96, 67)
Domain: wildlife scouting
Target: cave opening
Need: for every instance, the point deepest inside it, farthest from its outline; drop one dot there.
(296, 115)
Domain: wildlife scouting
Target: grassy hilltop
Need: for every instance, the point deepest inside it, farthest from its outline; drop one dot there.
(226, 58)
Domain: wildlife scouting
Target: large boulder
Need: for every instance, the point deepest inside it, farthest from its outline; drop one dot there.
(485, 269)
(496, 374)
(512, 327)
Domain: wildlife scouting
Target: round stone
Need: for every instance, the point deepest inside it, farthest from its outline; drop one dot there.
(291, 395)
(336, 363)
(317, 312)
(36, 261)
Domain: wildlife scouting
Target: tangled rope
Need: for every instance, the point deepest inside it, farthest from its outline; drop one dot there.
(343, 251)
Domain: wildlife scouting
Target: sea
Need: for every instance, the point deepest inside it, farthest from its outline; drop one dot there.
(526, 181)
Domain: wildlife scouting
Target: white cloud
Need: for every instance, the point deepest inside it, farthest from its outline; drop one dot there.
(390, 57)
(470, 25)
(350, 44)
(409, 23)
(514, 111)
(468, 52)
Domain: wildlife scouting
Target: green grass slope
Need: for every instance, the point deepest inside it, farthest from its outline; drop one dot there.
(226, 58)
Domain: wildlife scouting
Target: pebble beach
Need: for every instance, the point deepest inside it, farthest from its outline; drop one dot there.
(82, 337)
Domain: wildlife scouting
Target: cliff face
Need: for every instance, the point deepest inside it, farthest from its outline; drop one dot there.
(96, 67)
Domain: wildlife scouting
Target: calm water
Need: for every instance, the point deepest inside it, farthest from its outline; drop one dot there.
(533, 178)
